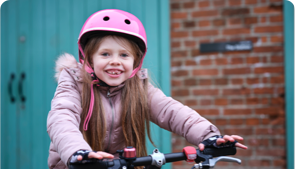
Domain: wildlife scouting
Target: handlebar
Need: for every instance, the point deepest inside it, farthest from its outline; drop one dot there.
(158, 159)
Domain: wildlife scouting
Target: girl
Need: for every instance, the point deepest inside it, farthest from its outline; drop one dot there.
(105, 103)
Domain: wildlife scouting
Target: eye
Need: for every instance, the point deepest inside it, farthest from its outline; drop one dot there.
(124, 55)
(105, 54)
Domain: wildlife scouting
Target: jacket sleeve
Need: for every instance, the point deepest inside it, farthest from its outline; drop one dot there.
(64, 118)
(171, 115)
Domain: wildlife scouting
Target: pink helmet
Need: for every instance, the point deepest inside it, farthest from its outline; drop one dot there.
(114, 22)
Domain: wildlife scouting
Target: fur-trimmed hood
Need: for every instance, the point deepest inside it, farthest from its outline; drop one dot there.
(65, 60)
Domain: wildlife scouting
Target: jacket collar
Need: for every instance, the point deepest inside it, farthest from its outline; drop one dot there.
(110, 91)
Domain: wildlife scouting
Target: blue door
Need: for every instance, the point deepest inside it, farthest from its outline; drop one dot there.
(33, 34)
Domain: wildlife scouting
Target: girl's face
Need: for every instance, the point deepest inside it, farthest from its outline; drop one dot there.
(112, 63)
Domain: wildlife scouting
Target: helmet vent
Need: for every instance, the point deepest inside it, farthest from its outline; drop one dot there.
(106, 18)
(127, 21)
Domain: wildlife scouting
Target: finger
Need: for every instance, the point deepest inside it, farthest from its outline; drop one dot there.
(228, 138)
(220, 141)
(94, 155)
(79, 158)
(236, 137)
(241, 146)
(105, 155)
(201, 146)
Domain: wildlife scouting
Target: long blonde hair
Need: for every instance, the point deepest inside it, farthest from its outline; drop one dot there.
(134, 103)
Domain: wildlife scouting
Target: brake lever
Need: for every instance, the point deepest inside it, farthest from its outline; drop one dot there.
(209, 162)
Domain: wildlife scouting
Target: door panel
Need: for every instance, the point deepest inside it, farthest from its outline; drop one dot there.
(34, 33)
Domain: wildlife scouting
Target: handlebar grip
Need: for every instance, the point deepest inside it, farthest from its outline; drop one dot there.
(215, 152)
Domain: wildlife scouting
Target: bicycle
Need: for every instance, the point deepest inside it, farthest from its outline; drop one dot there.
(128, 160)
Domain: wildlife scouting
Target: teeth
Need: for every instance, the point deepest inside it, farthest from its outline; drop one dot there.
(115, 72)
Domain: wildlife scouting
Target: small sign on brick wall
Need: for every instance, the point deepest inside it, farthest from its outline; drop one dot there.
(226, 46)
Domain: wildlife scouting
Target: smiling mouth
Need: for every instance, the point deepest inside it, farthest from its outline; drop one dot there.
(114, 72)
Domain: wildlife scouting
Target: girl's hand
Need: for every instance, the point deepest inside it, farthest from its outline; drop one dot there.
(98, 155)
(225, 139)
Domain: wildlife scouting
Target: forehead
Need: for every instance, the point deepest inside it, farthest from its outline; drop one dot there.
(111, 42)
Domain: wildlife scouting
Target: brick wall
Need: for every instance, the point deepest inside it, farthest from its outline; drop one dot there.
(240, 92)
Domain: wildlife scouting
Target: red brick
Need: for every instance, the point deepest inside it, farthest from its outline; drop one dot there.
(236, 121)
(205, 102)
(266, 9)
(175, 25)
(277, 101)
(189, 24)
(258, 142)
(235, 21)
(235, 11)
(277, 79)
(220, 102)
(252, 60)
(203, 4)
(190, 63)
(237, 112)
(234, 71)
(270, 152)
(205, 82)
(280, 163)
(178, 15)
(271, 111)
(208, 112)
(240, 131)
(221, 122)
(195, 52)
(236, 31)
(251, 20)
(204, 23)
(218, 22)
(175, 63)
(277, 69)
(179, 54)
(236, 101)
(243, 153)
(175, 6)
(268, 29)
(212, 92)
(176, 83)
(218, 3)
(189, 43)
(205, 72)
(180, 73)
(263, 90)
(205, 33)
(205, 13)
(190, 82)
(190, 102)
(252, 121)
(267, 49)
(181, 34)
(253, 80)
(237, 81)
(175, 44)
(180, 92)
(277, 18)
(248, 2)
(205, 62)
(259, 163)
(188, 5)
(236, 91)
(221, 81)
(237, 60)
(221, 61)
(234, 2)
(278, 142)
(277, 39)
(252, 101)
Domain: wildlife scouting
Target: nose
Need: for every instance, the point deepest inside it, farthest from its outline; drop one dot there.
(115, 61)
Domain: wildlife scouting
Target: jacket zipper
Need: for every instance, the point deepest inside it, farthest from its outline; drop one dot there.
(108, 95)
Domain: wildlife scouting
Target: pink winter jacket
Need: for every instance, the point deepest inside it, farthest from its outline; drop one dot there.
(64, 117)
